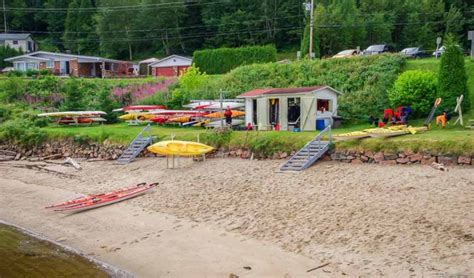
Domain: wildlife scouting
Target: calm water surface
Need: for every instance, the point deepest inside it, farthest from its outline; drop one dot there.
(24, 256)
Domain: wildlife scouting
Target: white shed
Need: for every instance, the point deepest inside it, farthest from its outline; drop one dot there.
(290, 108)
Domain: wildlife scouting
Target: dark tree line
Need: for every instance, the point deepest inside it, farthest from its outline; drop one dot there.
(139, 28)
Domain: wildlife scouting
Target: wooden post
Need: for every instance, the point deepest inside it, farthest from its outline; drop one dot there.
(458, 109)
(471, 38)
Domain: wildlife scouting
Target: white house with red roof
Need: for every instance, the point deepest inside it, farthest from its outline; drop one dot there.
(290, 108)
(171, 66)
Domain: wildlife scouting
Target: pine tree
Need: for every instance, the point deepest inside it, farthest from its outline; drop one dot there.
(452, 75)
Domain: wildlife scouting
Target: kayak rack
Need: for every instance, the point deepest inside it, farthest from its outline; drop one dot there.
(141, 141)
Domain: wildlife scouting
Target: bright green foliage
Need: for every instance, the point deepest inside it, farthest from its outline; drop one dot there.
(417, 89)
(222, 60)
(106, 104)
(452, 76)
(74, 96)
(305, 42)
(364, 81)
(7, 52)
(22, 132)
(13, 89)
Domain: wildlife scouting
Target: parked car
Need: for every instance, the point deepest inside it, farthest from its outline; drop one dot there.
(378, 49)
(346, 53)
(439, 52)
(414, 52)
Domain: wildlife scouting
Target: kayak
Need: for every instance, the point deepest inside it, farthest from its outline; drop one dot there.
(235, 113)
(182, 119)
(99, 200)
(181, 148)
(137, 116)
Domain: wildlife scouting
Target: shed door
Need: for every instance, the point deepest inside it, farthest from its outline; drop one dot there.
(308, 113)
(262, 114)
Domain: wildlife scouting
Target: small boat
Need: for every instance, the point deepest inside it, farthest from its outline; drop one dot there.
(387, 133)
(99, 200)
(180, 148)
(180, 119)
(351, 136)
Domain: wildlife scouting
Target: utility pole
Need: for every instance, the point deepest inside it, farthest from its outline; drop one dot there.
(4, 17)
(311, 30)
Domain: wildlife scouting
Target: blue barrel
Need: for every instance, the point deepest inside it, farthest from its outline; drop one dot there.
(320, 125)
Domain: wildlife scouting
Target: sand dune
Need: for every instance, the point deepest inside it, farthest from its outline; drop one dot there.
(363, 219)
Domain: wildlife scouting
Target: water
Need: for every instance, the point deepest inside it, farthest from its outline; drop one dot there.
(24, 256)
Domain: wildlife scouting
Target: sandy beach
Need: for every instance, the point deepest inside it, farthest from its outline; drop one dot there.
(223, 216)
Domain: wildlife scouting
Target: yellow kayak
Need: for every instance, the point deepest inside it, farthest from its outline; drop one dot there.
(137, 116)
(201, 123)
(235, 113)
(183, 119)
(182, 148)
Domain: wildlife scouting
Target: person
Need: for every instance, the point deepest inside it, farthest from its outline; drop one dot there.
(373, 121)
(387, 115)
(228, 116)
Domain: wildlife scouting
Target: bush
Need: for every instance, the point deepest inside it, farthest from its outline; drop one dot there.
(222, 60)
(416, 88)
(7, 52)
(14, 89)
(23, 132)
(74, 92)
(16, 73)
(453, 76)
(31, 73)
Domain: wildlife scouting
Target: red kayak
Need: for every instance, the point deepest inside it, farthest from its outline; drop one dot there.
(98, 200)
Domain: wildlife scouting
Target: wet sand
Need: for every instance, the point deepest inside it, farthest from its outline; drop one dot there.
(216, 217)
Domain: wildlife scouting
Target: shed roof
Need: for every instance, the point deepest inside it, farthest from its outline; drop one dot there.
(149, 61)
(186, 61)
(282, 91)
(14, 36)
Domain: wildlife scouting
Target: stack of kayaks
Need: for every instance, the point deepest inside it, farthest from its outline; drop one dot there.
(179, 148)
(217, 115)
(103, 199)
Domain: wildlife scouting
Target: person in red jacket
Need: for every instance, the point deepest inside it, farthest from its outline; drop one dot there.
(228, 116)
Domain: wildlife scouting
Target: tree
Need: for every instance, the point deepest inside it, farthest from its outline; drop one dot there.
(80, 34)
(304, 48)
(454, 22)
(452, 75)
(55, 21)
(73, 100)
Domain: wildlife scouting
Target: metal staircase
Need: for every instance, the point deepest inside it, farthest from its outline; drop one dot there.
(310, 153)
(136, 146)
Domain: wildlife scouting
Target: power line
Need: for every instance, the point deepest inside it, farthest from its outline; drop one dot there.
(162, 29)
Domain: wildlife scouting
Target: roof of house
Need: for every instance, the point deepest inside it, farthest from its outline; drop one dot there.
(149, 61)
(13, 36)
(188, 60)
(282, 91)
(63, 55)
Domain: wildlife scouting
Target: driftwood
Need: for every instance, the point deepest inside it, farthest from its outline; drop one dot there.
(439, 166)
(73, 163)
(318, 267)
(6, 157)
(53, 156)
(7, 153)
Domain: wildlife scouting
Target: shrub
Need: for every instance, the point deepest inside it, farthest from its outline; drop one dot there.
(452, 76)
(74, 100)
(31, 73)
(222, 60)
(7, 52)
(23, 132)
(416, 88)
(14, 73)
(14, 89)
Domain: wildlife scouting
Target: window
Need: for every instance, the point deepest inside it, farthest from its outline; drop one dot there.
(15, 42)
(50, 64)
(324, 104)
(32, 66)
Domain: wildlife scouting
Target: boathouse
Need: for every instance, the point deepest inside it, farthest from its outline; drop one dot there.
(290, 108)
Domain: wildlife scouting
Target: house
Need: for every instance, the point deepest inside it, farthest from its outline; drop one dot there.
(71, 65)
(22, 41)
(289, 108)
(144, 66)
(173, 65)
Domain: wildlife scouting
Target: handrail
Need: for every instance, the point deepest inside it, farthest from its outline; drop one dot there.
(147, 128)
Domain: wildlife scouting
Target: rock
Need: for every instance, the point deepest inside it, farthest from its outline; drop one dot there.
(416, 158)
(378, 157)
(390, 156)
(350, 157)
(18, 156)
(364, 158)
(465, 160)
(402, 155)
(276, 155)
(388, 162)
(403, 160)
(447, 160)
(357, 161)
(428, 161)
(283, 155)
(369, 154)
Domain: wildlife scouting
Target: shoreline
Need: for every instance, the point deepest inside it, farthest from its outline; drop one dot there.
(107, 268)
(219, 216)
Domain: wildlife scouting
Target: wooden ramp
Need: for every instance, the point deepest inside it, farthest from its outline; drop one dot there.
(136, 146)
(310, 153)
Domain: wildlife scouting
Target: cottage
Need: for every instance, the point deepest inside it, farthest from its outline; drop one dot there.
(71, 65)
(22, 42)
(171, 66)
(290, 108)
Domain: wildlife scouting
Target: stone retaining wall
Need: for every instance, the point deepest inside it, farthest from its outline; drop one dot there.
(109, 151)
